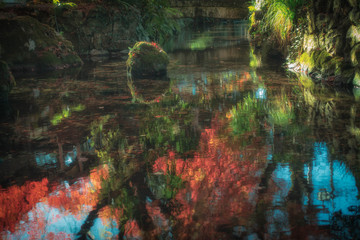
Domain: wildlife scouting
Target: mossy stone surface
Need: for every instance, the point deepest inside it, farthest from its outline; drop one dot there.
(147, 60)
(355, 55)
(356, 80)
(26, 44)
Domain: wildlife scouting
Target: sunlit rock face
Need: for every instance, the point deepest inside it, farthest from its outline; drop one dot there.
(6, 80)
(147, 60)
(29, 45)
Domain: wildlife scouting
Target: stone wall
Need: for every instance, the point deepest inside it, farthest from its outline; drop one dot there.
(99, 30)
(226, 9)
(95, 30)
(332, 39)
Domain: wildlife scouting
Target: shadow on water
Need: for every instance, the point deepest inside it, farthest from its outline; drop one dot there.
(227, 147)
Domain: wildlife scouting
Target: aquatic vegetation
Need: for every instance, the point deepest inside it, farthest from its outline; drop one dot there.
(165, 181)
(115, 153)
(252, 113)
(167, 125)
(245, 116)
(281, 112)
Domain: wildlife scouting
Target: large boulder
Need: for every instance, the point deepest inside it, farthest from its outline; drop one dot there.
(26, 44)
(147, 60)
(7, 81)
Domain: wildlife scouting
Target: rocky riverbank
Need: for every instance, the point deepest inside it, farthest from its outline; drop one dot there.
(318, 38)
(42, 37)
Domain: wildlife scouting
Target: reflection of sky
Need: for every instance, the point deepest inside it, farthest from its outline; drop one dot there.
(50, 159)
(45, 220)
(334, 188)
(70, 157)
(260, 93)
(282, 179)
(195, 82)
(46, 159)
(334, 179)
(278, 217)
(104, 231)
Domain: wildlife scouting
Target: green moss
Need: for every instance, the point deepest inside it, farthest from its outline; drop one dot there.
(72, 59)
(254, 60)
(307, 62)
(354, 34)
(147, 59)
(321, 58)
(48, 60)
(355, 55)
(356, 80)
(306, 81)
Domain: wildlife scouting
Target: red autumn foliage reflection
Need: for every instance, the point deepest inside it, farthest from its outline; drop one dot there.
(221, 182)
(83, 193)
(18, 200)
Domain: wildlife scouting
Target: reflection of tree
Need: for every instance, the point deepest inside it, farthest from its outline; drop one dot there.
(15, 201)
(122, 189)
(168, 125)
(220, 181)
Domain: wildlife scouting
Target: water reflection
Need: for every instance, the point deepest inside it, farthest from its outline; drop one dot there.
(225, 148)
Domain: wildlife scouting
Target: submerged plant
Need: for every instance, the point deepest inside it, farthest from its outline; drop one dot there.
(281, 112)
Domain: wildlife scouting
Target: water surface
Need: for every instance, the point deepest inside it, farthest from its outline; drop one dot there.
(228, 146)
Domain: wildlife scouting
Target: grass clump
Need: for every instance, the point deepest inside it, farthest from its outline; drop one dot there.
(279, 18)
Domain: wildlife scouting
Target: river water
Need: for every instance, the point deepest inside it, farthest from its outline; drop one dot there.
(228, 146)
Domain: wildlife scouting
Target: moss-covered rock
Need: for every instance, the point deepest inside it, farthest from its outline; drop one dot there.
(7, 81)
(147, 60)
(26, 44)
(353, 35)
(355, 55)
(356, 80)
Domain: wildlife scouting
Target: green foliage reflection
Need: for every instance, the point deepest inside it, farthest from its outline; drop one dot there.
(252, 113)
(245, 116)
(65, 113)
